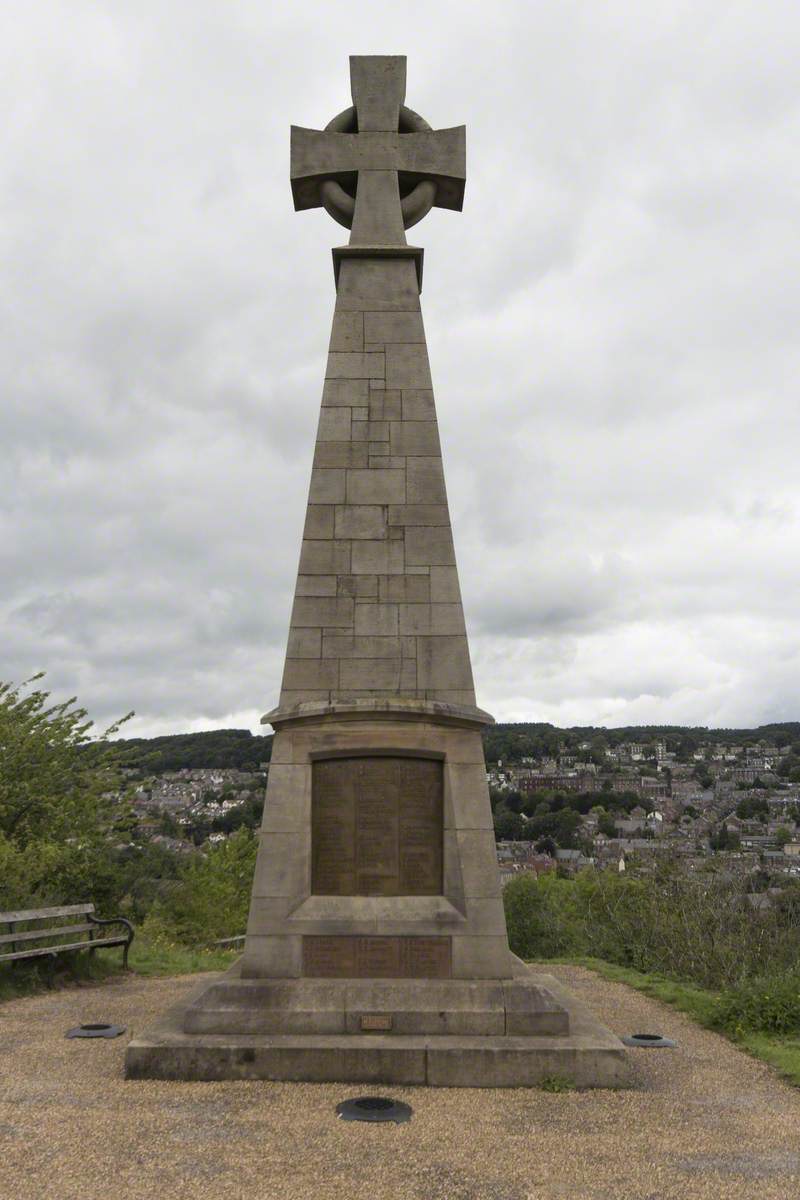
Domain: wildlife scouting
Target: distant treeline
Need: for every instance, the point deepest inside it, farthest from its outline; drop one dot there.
(510, 742)
(214, 748)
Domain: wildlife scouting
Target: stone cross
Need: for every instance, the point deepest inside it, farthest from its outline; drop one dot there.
(378, 167)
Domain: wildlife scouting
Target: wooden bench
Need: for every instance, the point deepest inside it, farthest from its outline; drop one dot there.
(232, 943)
(27, 938)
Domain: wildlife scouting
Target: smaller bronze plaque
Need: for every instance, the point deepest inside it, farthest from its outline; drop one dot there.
(425, 956)
(376, 1023)
(329, 957)
(377, 957)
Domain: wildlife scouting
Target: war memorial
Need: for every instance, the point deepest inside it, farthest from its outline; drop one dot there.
(376, 947)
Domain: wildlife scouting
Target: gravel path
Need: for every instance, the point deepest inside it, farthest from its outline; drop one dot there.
(703, 1121)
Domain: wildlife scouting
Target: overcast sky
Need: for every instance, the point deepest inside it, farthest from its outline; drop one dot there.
(612, 324)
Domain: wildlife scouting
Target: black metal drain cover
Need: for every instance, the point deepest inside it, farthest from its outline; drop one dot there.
(96, 1030)
(374, 1108)
(654, 1040)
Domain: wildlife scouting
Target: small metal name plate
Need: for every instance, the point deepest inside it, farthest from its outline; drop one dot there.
(377, 957)
(376, 1023)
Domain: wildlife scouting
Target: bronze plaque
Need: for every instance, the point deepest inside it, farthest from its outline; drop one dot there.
(329, 957)
(425, 957)
(377, 957)
(376, 1023)
(377, 827)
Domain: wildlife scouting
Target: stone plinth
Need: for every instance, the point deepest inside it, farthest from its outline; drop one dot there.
(454, 1056)
(466, 908)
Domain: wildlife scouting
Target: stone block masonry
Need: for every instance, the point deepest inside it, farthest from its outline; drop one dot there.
(377, 604)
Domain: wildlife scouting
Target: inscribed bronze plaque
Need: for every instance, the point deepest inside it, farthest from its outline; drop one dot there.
(376, 827)
(377, 957)
(376, 1023)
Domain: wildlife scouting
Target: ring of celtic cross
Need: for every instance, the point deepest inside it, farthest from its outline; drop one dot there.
(378, 168)
(415, 203)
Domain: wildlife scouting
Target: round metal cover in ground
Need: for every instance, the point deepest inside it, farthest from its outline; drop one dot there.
(654, 1040)
(97, 1030)
(374, 1108)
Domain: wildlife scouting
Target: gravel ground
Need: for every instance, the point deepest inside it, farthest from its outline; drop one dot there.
(703, 1121)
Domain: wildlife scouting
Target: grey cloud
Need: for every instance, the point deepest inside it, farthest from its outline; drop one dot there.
(612, 326)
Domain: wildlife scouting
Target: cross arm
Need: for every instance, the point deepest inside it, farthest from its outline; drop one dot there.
(319, 155)
(440, 155)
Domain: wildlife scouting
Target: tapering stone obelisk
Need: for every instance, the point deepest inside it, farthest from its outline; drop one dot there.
(376, 946)
(379, 860)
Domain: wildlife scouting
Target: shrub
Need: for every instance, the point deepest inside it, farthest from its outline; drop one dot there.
(700, 929)
(54, 780)
(769, 1003)
(211, 897)
(42, 873)
(538, 917)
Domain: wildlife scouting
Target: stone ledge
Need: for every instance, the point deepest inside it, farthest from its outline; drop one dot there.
(415, 253)
(437, 711)
(419, 1007)
(438, 911)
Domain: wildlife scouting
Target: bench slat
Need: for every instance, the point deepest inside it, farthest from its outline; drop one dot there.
(110, 941)
(34, 935)
(42, 914)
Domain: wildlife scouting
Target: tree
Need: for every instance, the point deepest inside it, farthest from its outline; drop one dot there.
(168, 825)
(249, 814)
(685, 747)
(567, 824)
(60, 815)
(789, 767)
(546, 845)
(225, 748)
(782, 836)
(508, 826)
(212, 896)
(724, 839)
(605, 825)
(752, 808)
(495, 797)
(514, 801)
(703, 776)
(54, 779)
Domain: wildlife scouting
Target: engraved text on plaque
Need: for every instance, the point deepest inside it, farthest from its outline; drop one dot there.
(376, 827)
(377, 957)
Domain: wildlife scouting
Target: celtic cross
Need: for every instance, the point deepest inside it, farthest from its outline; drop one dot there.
(378, 167)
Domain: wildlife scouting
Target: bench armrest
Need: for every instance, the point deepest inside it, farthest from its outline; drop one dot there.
(114, 921)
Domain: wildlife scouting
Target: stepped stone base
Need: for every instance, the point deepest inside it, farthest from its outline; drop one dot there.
(509, 1033)
(478, 1008)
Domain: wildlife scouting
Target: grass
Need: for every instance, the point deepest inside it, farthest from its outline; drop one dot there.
(782, 1053)
(557, 1083)
(157, 957)
(147, 957)
(28, 978)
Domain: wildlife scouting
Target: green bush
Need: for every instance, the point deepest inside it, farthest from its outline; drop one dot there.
(539, 922)
(43, 872)
(769, 1003)
(56, 782)
(699, 930)
(211, 897)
